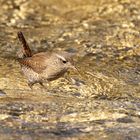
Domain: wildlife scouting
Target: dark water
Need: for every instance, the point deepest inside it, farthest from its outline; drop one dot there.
(103, 101)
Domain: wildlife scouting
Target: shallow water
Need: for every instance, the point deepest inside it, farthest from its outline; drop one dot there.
(103, 101)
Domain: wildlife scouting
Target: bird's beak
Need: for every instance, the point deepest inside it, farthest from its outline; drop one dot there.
(71, 66)
(74, 68)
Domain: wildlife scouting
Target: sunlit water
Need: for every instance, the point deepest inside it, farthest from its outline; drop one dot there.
(102, 101)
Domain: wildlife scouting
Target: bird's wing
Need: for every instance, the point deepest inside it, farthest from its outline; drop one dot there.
(37, 62)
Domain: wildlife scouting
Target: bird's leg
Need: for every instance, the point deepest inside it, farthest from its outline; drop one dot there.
(30, 84)
(42, 84)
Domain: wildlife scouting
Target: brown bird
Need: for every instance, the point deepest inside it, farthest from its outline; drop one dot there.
(44, 66)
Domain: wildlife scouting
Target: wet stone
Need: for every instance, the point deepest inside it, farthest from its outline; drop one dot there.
(100, 101)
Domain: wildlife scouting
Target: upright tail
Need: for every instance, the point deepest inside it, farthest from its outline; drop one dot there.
(26, 51)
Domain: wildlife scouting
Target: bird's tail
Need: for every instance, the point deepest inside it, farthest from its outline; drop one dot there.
(25, 51)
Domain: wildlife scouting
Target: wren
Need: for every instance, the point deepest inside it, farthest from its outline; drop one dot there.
(44, 66)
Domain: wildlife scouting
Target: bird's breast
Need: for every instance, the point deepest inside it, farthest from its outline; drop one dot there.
(50, 74)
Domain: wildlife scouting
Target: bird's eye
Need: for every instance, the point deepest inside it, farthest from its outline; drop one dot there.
(64, 61)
